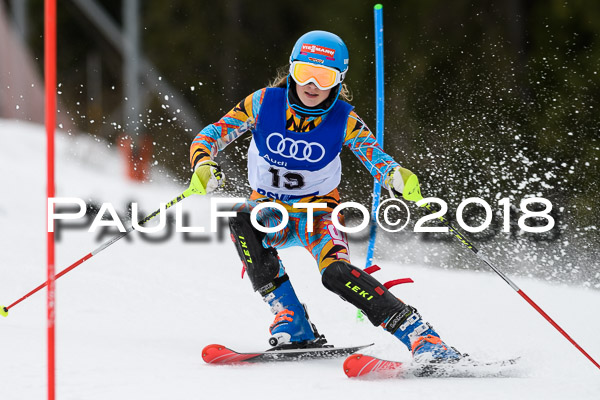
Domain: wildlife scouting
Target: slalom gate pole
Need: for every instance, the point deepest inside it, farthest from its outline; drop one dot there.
(50, 117)
(194, 188)
(506, 279)
(378, 15)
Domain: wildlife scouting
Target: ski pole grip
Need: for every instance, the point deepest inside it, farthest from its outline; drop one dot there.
(4, 311)
(196, 186)
(412, 190)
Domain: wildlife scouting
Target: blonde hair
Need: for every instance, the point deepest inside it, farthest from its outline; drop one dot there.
(280, 81)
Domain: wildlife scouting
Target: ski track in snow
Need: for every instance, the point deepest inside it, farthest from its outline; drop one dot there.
(132, 321)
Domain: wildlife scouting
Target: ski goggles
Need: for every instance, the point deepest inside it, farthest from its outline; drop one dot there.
(323, 77)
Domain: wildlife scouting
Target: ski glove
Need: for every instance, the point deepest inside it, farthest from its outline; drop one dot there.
(403, 183)
(210, 175)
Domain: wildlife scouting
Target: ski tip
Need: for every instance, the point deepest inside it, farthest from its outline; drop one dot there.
(364, 366)
(3, 311)
(212, 351)
(220, 355)
(353, 365)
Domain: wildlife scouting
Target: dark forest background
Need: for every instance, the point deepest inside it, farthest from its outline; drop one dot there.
(487, 99)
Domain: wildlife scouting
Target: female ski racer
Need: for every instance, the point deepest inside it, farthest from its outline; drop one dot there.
(299, 126)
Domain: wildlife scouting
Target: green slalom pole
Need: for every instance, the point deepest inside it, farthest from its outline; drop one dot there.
(194, 188)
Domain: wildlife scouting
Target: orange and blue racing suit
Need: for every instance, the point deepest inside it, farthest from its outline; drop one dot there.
(292, 159)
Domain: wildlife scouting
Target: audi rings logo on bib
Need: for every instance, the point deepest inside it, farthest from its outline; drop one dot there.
(300, 150)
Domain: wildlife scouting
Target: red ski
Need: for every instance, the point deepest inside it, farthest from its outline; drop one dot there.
(359, 365)
(363, 366)
(219, 354)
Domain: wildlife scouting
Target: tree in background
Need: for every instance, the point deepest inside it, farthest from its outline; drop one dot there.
(488, 99)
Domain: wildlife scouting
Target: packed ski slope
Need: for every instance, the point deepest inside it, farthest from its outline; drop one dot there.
(131, 322)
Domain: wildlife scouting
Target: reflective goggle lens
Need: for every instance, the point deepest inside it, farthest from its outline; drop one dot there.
(324, 77)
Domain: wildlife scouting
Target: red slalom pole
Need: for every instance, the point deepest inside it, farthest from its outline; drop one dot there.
(50, 81)
(484, 258)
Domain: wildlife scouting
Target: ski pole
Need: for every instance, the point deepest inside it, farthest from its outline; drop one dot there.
(194, 188)
(506, 279)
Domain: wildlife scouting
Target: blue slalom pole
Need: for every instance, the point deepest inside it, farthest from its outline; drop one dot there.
(378, 11)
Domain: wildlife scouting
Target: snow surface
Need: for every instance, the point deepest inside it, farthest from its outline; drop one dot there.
(132, 321)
